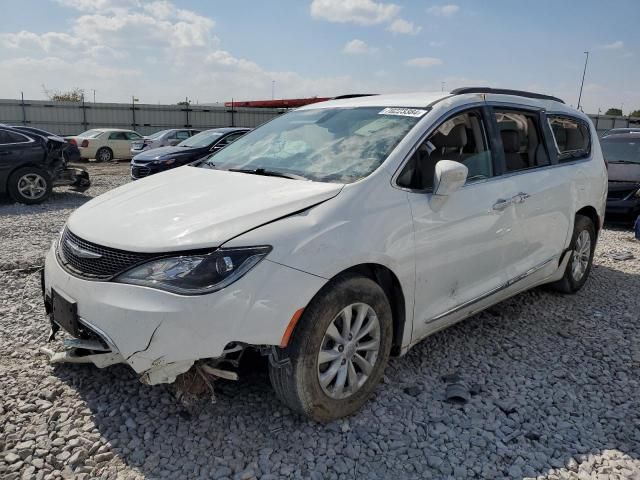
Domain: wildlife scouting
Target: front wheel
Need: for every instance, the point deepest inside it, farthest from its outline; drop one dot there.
(583, 245)
(338, 352)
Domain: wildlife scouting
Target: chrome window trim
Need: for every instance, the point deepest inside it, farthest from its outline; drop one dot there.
(29, 139)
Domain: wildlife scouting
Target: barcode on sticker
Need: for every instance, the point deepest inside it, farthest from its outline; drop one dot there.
(405, 112)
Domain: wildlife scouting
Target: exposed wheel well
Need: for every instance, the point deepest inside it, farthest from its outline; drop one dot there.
(391, 286)
(591, 213)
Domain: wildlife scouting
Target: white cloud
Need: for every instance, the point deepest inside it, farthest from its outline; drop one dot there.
(424, 62)
(443, 10)
(614, 45)
(436, 44)
(362, 12)
(404, 27)
(155, 50)
(358, 47)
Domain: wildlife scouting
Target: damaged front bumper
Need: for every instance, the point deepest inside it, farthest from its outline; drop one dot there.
(160, 334)
(76, 178)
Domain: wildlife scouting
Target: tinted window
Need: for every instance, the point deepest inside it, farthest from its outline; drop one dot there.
(461, 138)
(91, 133)
(621, 150)
(118, 136)
(182, 134)
(521, 140)
(200, 140)
(133, 136)
(571, 136)
(12, 137)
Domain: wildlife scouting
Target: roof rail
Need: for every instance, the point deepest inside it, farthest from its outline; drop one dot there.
(353, 95)
(504, 91)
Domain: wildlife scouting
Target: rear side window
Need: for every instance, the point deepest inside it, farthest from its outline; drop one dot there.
(522, 141)
(133, 136)
(571, 136)
(118, 136)
(12, 137)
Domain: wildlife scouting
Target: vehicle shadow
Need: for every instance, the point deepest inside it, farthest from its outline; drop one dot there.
(59, 200)
(553, 378)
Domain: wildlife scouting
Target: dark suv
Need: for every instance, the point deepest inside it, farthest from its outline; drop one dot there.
(622, 152)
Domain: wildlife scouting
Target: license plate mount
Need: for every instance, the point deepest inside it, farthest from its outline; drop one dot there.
(65, 313)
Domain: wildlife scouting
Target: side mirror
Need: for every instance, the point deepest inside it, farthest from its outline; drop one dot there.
(449, 177)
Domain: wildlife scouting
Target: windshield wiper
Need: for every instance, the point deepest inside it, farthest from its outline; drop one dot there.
(267, 173)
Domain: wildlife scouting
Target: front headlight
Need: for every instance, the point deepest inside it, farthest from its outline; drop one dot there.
(169, 161)
(196, 274)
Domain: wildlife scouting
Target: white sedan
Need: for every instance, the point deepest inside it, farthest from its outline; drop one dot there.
(105, 144)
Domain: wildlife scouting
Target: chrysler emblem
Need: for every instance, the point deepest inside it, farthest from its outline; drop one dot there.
(81, 252)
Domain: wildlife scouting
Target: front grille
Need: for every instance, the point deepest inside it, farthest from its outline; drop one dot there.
(139, 172)
(110, 263)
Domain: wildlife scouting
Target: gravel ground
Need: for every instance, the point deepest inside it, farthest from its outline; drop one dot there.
(555, 383)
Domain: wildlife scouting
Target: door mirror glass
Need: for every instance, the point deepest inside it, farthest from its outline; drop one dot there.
(449, 177)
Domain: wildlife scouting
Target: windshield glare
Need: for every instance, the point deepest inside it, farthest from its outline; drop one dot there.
(621, 150)
(202, 139)
(153, 136)
(338, 145)
(90, 133)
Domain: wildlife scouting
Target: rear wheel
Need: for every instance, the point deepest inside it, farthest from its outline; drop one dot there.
(338, 351)
(29, 185)
(104, 154)
(583, 244)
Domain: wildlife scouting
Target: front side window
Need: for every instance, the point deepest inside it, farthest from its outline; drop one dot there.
(522, 141)
(338, 145)
(461, 138)
(571, 137)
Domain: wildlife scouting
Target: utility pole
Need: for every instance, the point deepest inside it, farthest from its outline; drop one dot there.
(94, 95)
(586, 60)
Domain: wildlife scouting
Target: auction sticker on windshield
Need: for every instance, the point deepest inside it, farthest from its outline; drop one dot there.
(405, 112)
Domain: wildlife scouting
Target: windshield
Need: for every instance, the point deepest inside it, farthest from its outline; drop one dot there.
(153, 136)
(621, 150)
(91, 133)
(339, 145)
(203, 139)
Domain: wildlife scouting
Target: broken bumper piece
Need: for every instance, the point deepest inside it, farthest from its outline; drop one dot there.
(84, 351)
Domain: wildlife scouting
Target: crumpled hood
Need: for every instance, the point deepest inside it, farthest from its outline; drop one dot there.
(190, 208)
(156, 153)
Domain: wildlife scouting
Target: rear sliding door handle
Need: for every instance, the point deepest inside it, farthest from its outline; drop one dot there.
(502, 203)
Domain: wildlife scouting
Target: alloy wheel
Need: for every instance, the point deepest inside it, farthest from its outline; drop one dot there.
(349, 351)
(32, 186)
(581, 255)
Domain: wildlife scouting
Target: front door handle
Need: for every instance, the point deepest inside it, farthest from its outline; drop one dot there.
(520, 197)
(502, 203)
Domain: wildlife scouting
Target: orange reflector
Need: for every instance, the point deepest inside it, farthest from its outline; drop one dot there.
(292, 324)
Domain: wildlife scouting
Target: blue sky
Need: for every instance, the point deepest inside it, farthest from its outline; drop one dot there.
(210, 50)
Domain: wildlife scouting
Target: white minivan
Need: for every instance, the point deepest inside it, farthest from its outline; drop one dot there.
(332, 237)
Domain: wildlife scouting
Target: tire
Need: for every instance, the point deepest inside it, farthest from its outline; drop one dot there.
(581, 259)
(295, 370)
(29, 185)
(104, 154)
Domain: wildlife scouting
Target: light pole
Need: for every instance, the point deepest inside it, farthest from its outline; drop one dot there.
(586, 60)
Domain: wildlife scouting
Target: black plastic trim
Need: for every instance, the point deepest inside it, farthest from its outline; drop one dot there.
(504, 91)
